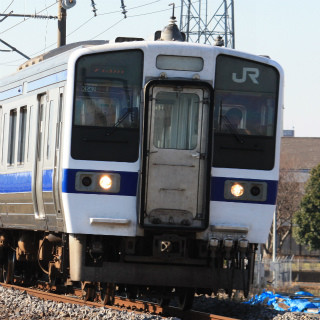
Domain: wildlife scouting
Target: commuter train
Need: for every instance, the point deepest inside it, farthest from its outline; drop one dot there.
(143, 166)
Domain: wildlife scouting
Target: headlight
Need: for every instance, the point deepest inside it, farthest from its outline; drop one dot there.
(243, 190)
(97, 182)
(86, 181)
(237, 190)
(105, 182)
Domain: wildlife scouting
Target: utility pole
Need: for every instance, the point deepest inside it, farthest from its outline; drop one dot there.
(62, 25)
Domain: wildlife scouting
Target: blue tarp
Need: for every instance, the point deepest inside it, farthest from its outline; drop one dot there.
(301, 301)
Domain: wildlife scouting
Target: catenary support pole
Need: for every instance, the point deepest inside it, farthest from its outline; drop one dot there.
(62, 23)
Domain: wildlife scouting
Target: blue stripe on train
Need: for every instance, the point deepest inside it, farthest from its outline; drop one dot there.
(15, 182)
(217, 190)
(47, 176)
(22, 181)
(128, 186)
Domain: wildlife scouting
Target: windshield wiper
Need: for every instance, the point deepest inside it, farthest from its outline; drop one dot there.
(116, 125)
(233, 129)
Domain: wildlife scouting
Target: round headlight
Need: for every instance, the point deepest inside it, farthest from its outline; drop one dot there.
(86, 181)
(105, 182)
(237, 190)
(255, 190)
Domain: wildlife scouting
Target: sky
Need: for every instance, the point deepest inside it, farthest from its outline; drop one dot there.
(286, 30)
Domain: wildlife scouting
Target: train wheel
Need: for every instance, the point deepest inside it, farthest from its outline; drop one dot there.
(185, 298)
(107, 293)
(88, 291)
(8, 267)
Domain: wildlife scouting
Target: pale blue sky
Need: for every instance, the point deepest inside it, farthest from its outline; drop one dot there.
(286, 30)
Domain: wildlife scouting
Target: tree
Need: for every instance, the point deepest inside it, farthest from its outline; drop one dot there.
(307, 218)
(288, 200)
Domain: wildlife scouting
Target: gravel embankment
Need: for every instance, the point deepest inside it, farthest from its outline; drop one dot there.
(17, 305)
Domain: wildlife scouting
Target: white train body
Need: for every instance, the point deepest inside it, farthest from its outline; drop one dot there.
(149, 114)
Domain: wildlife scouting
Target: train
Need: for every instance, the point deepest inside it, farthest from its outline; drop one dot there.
(146, 167)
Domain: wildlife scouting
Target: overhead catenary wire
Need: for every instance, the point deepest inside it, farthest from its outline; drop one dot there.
(11, 63)
(35, 16)
(8, 6)
(108, 29)
(2, 32)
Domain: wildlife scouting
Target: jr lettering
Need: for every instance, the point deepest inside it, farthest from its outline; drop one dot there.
(252, 73)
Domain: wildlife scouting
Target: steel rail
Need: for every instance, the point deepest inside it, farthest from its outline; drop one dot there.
(136, 306)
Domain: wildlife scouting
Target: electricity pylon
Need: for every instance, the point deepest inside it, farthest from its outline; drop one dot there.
(210, 22)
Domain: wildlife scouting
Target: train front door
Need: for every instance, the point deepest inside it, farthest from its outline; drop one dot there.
(176, 157)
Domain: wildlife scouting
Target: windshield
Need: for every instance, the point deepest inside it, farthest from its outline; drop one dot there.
(245, 114)
(106, 106)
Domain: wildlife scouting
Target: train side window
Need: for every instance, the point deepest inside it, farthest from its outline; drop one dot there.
(1, 130)
(3, 137)
(22, 135)
(12, 137)
(59, 121)
(29, 132)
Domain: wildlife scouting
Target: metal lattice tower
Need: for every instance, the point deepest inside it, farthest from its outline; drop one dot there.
(205, 21)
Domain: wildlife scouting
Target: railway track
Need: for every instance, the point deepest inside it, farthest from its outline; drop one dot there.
(120, 303)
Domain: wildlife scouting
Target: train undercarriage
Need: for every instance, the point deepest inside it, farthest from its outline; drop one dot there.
(161, 266)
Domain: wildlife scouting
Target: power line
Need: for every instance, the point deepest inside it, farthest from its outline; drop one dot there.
(27, 18)
(35, 16)
(101, 14)
(107, 29)
(133, 8)
(9, 6)
(145, 14)
(14, 49)
(69, 34)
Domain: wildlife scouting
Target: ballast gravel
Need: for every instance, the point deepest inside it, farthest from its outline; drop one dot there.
(15, 304)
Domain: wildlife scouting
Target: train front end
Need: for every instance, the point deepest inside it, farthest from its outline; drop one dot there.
(171, 169)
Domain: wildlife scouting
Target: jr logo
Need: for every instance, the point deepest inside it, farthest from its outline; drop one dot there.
(252, 73)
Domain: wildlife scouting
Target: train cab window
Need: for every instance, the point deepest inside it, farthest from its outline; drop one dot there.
(12, 137)
(245, 114)
(106, 106)
(22, 135)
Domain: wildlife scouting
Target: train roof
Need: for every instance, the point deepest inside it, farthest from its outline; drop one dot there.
(61, 50)
(55, 60)
(61, 54)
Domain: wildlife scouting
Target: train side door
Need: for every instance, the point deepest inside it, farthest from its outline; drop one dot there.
(177, 158)
(39, 210)
(47, 165)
